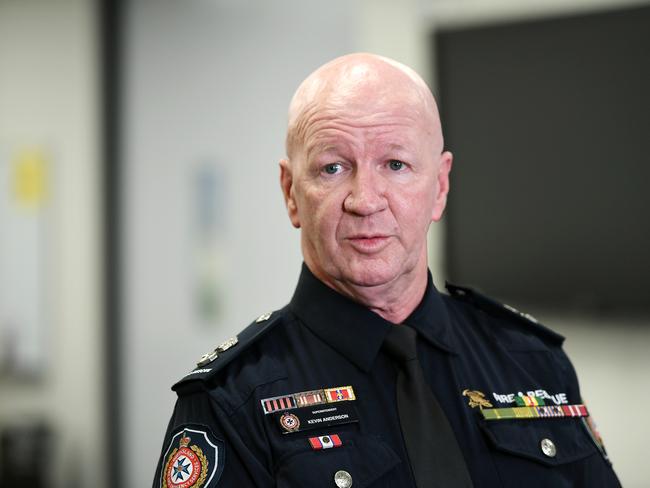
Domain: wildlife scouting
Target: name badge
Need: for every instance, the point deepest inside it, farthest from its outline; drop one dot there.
(317, 416)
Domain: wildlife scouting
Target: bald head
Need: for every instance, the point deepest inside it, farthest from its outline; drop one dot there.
(360, 83)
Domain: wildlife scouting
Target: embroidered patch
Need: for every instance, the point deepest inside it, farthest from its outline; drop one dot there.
(542, 397)
(194, 459)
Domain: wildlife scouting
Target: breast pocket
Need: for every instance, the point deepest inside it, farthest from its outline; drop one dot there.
(541, 452)
(362, 461)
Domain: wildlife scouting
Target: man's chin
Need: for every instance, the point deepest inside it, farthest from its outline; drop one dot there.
(369, 274)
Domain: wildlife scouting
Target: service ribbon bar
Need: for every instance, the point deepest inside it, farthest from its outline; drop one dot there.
(276, 404)
(339, 394)
(307, 398)
(540, 412)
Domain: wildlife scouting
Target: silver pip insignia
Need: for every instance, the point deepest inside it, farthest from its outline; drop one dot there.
(224, 346)
(211, 356)
(264, 317)
(207, 358)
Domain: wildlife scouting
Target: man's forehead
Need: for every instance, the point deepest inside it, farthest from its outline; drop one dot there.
(360, 86)
(374, 119)
(400, 142)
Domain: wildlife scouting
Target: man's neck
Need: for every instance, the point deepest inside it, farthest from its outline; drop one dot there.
(394, 301)
(394, 304)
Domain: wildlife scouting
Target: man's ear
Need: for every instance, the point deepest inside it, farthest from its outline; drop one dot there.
(286, 182)
(442, 186)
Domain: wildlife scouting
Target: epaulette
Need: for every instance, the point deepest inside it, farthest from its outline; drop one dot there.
(501, 309)
(211, 363)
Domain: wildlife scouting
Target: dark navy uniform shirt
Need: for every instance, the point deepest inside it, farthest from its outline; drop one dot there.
(476, 355)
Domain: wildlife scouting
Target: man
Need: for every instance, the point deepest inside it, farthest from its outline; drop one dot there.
(370, 377)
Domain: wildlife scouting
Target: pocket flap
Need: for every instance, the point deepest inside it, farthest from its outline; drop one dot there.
(551, 442)
(364, 458)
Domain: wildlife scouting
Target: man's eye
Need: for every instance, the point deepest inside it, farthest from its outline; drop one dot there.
(395, 165)
(332, 169)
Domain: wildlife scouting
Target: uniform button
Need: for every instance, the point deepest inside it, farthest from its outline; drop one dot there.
(548, 448)
(343, 479)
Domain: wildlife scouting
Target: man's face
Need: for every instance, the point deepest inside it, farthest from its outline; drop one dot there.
(364, 187)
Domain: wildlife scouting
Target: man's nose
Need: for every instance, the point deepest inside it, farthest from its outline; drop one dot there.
(367, 194)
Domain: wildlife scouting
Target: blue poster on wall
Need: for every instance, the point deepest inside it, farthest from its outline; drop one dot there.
(208, 219)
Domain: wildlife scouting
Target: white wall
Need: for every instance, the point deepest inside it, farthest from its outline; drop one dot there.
(48, 97)
(612, 361)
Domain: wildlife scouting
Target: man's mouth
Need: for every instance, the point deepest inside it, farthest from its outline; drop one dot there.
(368, 243)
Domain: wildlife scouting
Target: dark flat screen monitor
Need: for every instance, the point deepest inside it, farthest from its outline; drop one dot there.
(549, 123)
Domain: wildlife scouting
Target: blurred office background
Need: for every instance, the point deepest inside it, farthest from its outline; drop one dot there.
(141, 221)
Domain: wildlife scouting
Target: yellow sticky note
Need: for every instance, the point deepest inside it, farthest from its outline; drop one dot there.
(30, 177)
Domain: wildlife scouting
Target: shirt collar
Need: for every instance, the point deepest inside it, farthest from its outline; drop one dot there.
(354, 330)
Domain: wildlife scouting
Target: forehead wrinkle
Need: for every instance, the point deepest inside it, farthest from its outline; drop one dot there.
(326, 125)
(336, 118)
(324, 142)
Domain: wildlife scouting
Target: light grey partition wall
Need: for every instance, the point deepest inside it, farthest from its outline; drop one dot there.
(50, 242)
(206, 88)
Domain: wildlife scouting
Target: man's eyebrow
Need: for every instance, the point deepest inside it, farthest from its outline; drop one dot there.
(396, 147)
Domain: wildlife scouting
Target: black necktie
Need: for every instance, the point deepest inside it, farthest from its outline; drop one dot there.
(432, 448)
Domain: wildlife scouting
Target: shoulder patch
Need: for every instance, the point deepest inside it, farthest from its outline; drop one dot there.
(209, 364)
(193, 457)
(501, 309)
